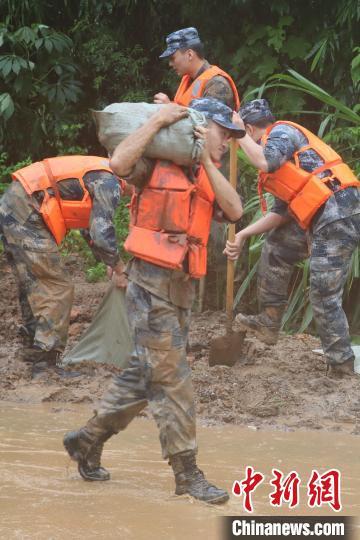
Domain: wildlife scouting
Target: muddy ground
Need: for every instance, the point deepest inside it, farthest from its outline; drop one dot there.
(280, 387)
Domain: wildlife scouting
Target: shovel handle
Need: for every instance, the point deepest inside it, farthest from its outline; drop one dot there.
(231, 236)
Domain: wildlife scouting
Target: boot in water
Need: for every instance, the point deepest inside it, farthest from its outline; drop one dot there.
(191, 480)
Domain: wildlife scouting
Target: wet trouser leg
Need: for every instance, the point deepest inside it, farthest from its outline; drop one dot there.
(158, 374)
(331, 251)
(46, 296)
(29, 321)
(45, 290)
(283, 248)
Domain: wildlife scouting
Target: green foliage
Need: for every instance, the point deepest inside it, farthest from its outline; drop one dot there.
(6, 170)
(95, 273)
(37, 84)
(74, 243)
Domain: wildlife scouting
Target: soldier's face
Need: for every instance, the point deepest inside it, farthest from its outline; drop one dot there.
(180, 61)
(217, 141)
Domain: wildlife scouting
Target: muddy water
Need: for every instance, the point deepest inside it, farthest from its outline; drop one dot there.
(42, 497)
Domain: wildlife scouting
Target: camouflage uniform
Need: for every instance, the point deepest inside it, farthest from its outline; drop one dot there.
(332, 239)
(159, 303)
(45, 288)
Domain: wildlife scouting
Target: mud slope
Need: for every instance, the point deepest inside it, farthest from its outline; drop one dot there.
(282, 387)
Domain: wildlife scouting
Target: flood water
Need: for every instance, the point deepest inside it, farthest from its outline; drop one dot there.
(42, 496)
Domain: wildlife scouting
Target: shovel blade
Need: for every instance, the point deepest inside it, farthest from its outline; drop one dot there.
(226, 350)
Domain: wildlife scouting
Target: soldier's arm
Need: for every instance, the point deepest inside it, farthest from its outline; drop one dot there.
(130, 150)
(263, 225)
(218, 87)
(282, 142)
(105, 192)
(225, 195)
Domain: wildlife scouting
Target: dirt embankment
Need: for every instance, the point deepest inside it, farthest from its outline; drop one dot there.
(282, 387)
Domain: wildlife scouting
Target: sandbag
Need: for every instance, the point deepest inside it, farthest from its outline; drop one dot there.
(107, 339)
(174, 143)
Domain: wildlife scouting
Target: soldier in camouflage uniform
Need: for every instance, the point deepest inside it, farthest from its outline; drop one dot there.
(185, 53)
(158, 303)
(45, 287)
(330, 242)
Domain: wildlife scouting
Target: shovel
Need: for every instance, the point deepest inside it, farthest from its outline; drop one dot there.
(225, 350)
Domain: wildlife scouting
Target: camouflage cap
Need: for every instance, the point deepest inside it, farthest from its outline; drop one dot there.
(256, 111)
(181, 39)
(218, 112)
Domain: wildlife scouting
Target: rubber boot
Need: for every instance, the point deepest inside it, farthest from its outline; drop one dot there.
(266, 325)
(85, 446)
(341, 370)
(191, 480)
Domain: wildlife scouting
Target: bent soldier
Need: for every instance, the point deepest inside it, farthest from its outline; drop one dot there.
(45, 200)
(316, 213)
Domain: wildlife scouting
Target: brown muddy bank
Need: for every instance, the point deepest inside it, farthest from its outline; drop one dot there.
(282, 387)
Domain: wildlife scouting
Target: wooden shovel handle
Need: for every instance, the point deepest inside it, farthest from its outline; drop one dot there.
(231, 235)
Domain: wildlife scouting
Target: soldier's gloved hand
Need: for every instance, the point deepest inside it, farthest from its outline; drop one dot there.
(117, 275)
(161, 98)
(233, 249)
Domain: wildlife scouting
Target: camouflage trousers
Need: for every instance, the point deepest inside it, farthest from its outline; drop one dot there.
(45, 290)
(158, 374)
(331, 250)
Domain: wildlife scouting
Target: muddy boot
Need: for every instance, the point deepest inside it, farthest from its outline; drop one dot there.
(266, 325)
(39, 359)
(85, 447)
(342, 370)
(189, 479)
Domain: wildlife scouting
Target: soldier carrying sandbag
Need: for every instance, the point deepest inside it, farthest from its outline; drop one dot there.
(170, 224)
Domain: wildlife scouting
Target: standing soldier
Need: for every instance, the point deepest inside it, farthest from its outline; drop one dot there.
(170, 224)
(312, 184)
(185, 52)
(47, 199)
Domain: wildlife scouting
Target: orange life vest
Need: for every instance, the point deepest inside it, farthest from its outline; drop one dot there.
(190, 89)
(305, 192)
(171, 219)
(61, 215)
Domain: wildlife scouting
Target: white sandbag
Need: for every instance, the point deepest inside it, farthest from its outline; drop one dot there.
(175, 143)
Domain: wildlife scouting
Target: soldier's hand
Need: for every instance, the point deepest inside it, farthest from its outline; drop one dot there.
(233, 249)
(237, 120)
(200, 133)
(161, 98)
(171, 113)
(117, 275)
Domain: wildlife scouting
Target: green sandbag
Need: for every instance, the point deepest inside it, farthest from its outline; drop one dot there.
(107, 339)
(175, 143)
